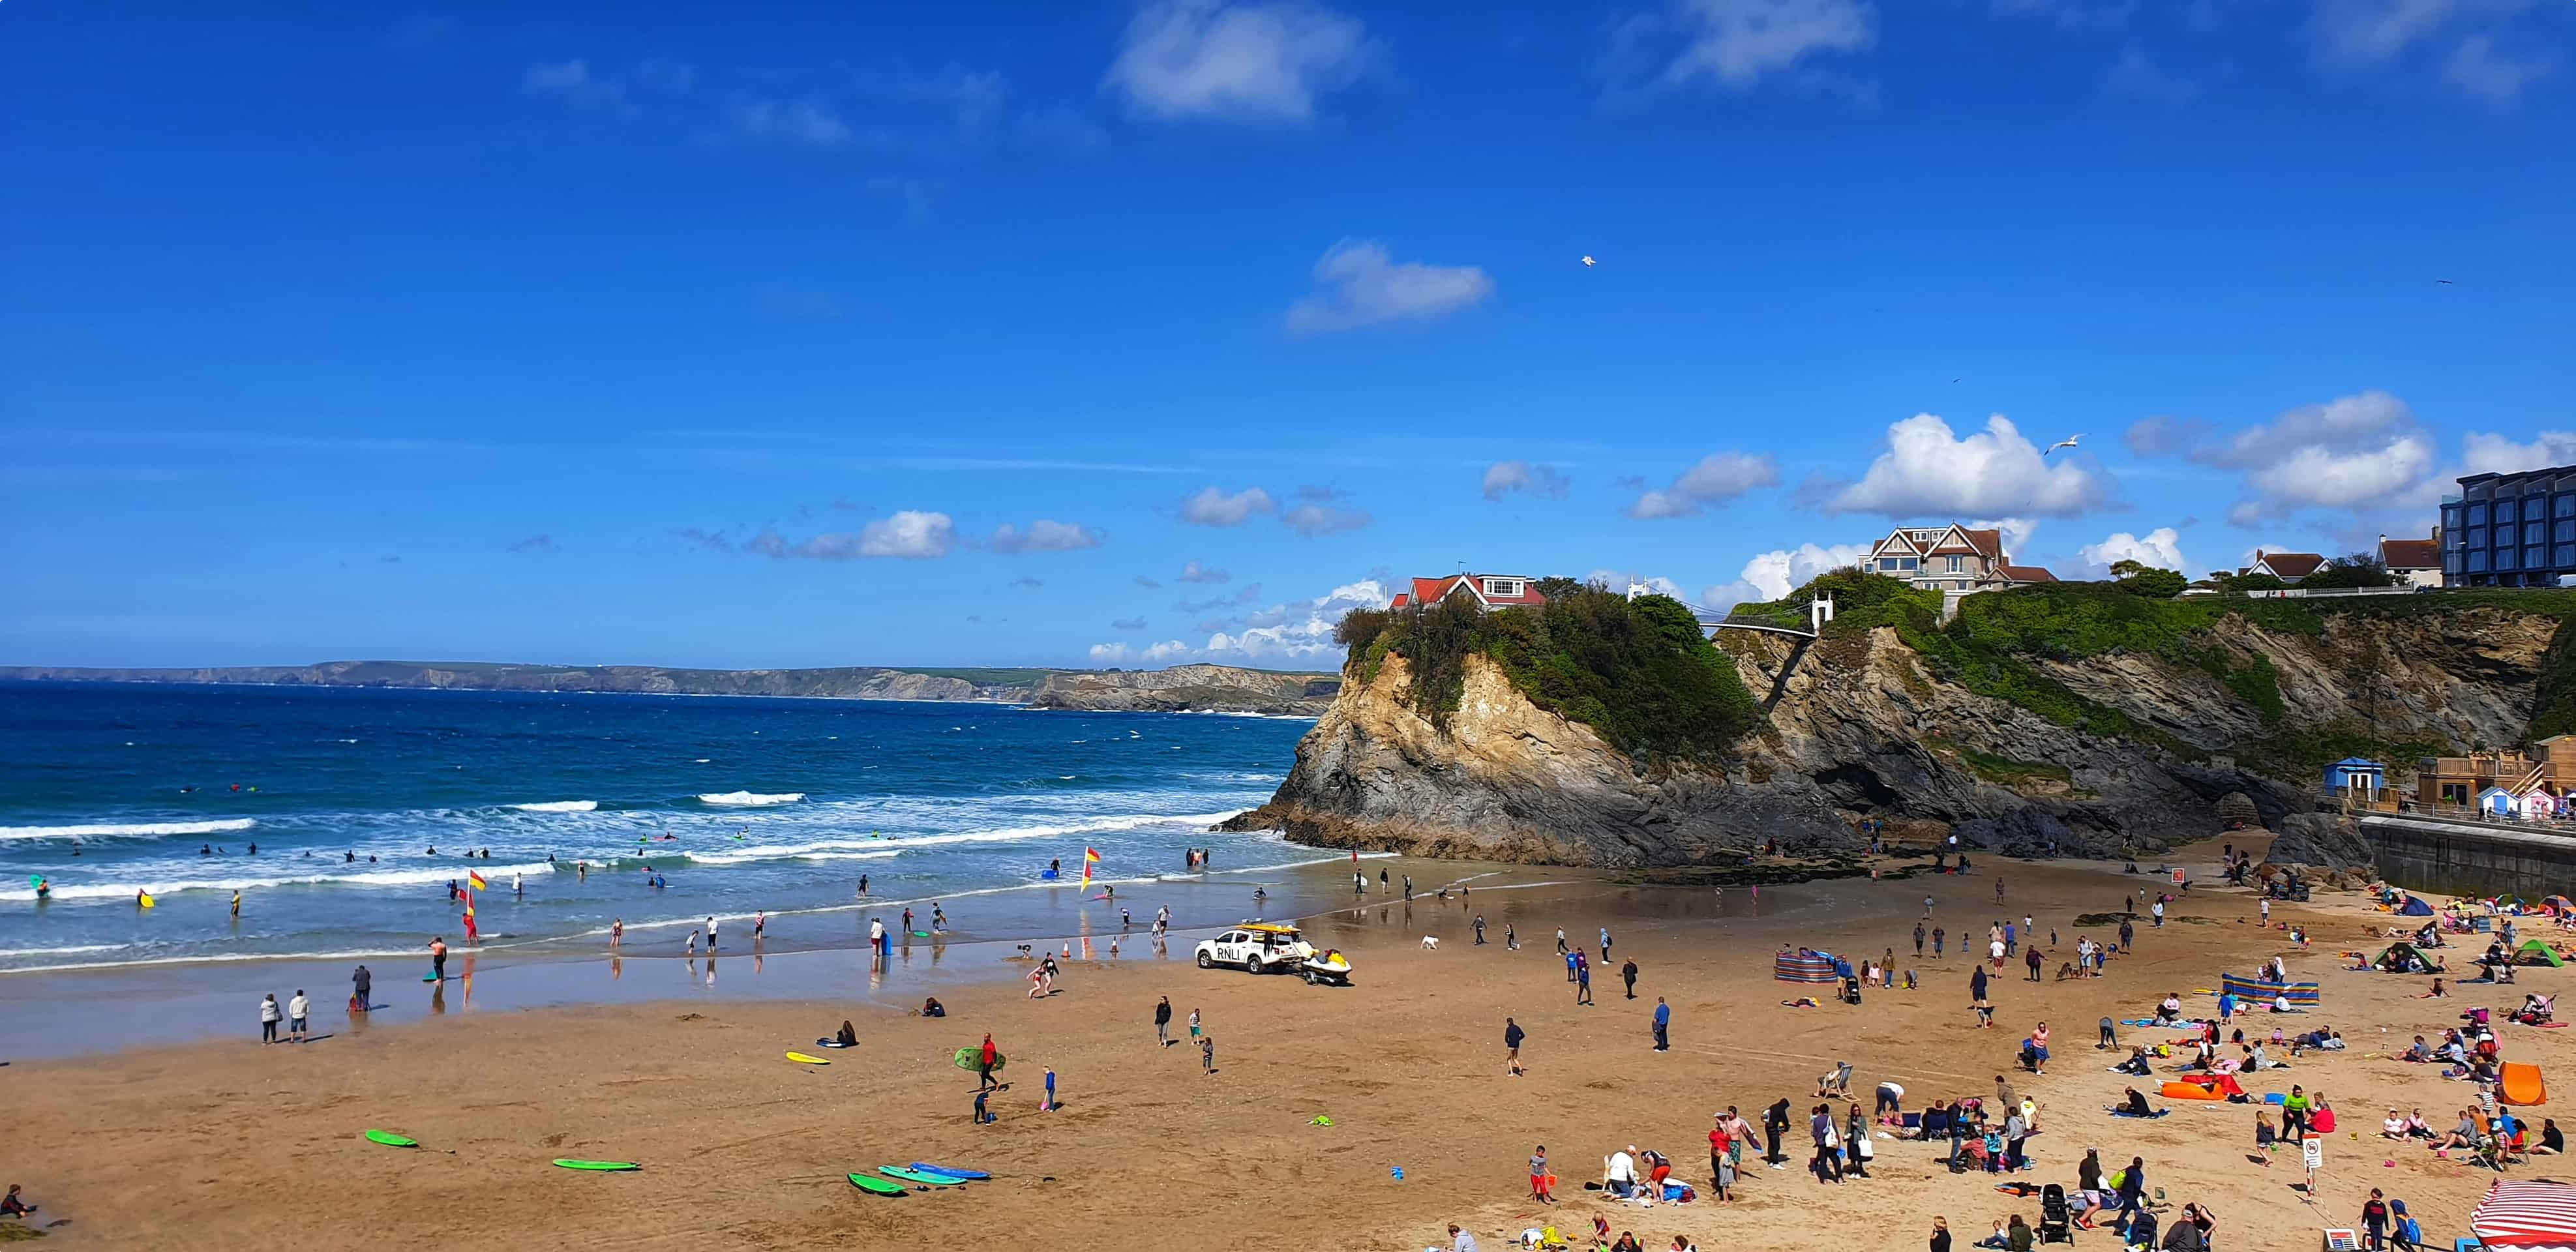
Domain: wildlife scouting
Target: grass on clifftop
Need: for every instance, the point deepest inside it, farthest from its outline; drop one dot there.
(1638, 672)
(1990, 647)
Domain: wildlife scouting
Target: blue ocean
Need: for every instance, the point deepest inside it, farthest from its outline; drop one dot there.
(341, 816)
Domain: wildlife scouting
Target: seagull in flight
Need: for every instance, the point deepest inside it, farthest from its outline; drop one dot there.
(2443, 281)
(2067, 442)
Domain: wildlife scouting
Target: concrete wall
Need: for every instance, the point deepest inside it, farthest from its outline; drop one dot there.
(2471, 859)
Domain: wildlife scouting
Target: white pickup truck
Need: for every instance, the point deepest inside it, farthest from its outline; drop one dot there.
(1259, 947)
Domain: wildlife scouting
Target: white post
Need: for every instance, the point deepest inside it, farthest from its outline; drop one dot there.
(1820, 611)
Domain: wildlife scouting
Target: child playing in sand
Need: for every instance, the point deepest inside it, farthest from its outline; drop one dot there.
(2265, 1137)
(1207, 1049)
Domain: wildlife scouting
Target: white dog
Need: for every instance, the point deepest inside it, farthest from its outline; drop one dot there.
(1430, 943)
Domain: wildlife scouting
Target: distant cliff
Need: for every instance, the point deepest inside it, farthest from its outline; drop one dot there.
(2074, 721)
(1188, 688)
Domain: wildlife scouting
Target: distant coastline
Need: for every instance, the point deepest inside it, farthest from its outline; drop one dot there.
(1181, 689)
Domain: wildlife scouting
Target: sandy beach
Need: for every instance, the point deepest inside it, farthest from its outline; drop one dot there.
(226, 1143)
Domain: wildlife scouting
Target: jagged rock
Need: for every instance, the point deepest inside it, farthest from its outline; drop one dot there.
(2321, 839)
(2017, 832)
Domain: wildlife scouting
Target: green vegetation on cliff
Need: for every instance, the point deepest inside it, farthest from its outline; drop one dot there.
(1639, 672)
(1989, 649)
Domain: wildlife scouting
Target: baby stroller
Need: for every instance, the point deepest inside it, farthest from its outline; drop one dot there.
(2056, 1221)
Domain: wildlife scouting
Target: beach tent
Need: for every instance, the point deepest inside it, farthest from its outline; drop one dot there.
(2520, 1084)
(2557, 904)
(1803, 967)
(2415, 907)
(2300, 994)
(2534, 952)
(2526, 1216)
(2401, 958)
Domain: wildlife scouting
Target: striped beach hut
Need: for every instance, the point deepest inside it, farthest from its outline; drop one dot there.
(1803, 967)
(2301, 994)
(2529, 1216)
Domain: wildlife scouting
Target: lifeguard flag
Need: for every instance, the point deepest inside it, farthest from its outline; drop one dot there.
(1090, 857)
(474, 879)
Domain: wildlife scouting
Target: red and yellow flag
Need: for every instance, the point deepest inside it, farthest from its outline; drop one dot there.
(1090, 857)
(474, 879)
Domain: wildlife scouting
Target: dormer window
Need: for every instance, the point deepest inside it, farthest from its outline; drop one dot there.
(1503, 588)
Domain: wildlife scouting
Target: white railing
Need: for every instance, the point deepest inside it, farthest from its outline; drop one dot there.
(2293, 593)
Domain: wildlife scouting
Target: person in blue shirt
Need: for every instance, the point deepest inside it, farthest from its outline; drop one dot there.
(1663, 1022)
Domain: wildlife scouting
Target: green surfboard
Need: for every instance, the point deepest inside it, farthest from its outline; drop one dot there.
(600, 1165)
(390, 1139)
(876, 1186)
(914, 1175)
(972, 1059)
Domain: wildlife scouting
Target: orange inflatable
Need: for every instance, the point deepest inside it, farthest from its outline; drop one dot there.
(2191, 1091)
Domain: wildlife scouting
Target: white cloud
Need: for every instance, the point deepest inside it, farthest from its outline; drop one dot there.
(2477, 68)
(2359, 452)
(1314, 519)
(1265, 62)
(2161, 548)
(1618, 581)
(908, 534)
(2016, 531)
(1299, 632)
(1503, 478)
(1361, 285)
(2134, 75)
(1774, 574)
(1929, 471)
(804, 122)
(573, 81)
(1193, 572)
(1043, 536)
(2358, 34)
(1211, 507)
(2496, 454)
(1737, 42)
(1718, 478)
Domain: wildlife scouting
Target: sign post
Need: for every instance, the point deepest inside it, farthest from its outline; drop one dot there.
(2312, 1153)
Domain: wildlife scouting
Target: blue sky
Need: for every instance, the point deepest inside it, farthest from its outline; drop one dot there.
(800, 334)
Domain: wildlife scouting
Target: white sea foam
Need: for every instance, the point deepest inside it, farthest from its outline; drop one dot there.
(133, 830)
(226, 958)
(66, 951)
(124, 888)
(558, 806)
(749, 799)
(829, 850)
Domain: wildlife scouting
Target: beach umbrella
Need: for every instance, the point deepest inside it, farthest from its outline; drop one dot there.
(2532, 1216)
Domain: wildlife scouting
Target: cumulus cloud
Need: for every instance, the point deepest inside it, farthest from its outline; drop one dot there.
(908, 534)
(2166, 436)
(1043, 536)
(1930, 470)
(1718, 478)
(1260, 62)
(573, 80)
(1504, 478)
(1736, 43)
(1193, 572)
(2477, 68)
(1128, 623)
(2016, 531)
(1360, 284)
(1771, 575)
(2359, 34)
(1213, 507)
(1314, 519)
(534, 543)
(807, 123)
(1163, 653)
(2161, 548)
(1297, 632)
(2496, 454)
(2357, 452)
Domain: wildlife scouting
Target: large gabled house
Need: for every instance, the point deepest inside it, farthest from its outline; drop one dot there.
(1952, 558)
(2414, 562)
(1489, 591)
(2289, 567)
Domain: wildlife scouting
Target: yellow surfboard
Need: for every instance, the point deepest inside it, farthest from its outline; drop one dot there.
(145, 898)
(803, 1059)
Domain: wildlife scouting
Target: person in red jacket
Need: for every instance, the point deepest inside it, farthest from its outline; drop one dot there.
(988, 1057)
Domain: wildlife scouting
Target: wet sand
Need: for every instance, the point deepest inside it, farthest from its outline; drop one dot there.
(226, 1143)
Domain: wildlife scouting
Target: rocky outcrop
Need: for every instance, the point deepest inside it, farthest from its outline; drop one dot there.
(2321, 839)
(1189, 689)
(1865, 731)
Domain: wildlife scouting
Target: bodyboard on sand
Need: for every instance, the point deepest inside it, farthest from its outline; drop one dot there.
(568, 1163)
(914, 1175)
(802, 1059)
(833, 1043)
(390, 1139)
(876, 1186)
(971, 1175)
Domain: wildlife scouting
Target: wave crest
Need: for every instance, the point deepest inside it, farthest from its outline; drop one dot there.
(749, 799)
(127, 830)
(559, 806)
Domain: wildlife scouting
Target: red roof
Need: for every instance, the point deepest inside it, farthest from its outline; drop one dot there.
(2410, 553)
(1430, 591)
(2290, 564)
(2027, 574)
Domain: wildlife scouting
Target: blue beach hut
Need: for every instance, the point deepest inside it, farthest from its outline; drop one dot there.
(2496, 800)
(2355, 773)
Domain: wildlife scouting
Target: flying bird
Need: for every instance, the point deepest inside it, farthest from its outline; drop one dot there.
(2067, 442)
(1587, 262)
(2443, 281)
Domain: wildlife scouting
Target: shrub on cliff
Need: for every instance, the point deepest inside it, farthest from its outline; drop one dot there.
(1638, 672)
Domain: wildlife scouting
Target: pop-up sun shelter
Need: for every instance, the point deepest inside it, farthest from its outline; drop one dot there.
(2534, 952)
(2402, 958)
(2415, 907)
(2527, 1217)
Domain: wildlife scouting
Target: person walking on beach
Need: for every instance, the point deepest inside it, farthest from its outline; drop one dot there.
(438, 959)
(365, 984)
(1582, 979)
(1918, 939)
(1480, 920)
(2033, 958)
(985, 1060)
(2159, 912)
(2133, 1192)
(693, 943)
(1663, 1022)
(1628, 973)
(1977, 995)
(876, 936)
(1828, 1163)
(269, 1014)
(1605, 943)
(1512, 1036)
(1207, 1055)
(1163, 1022)
(1542, 1183)
(711, 936)
(1775, 1123)
(2374, 1221)
(617, 932)
(297, 1010)
(1561, 949)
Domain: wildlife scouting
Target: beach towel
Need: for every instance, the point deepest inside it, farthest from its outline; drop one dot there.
(2116, 1111)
